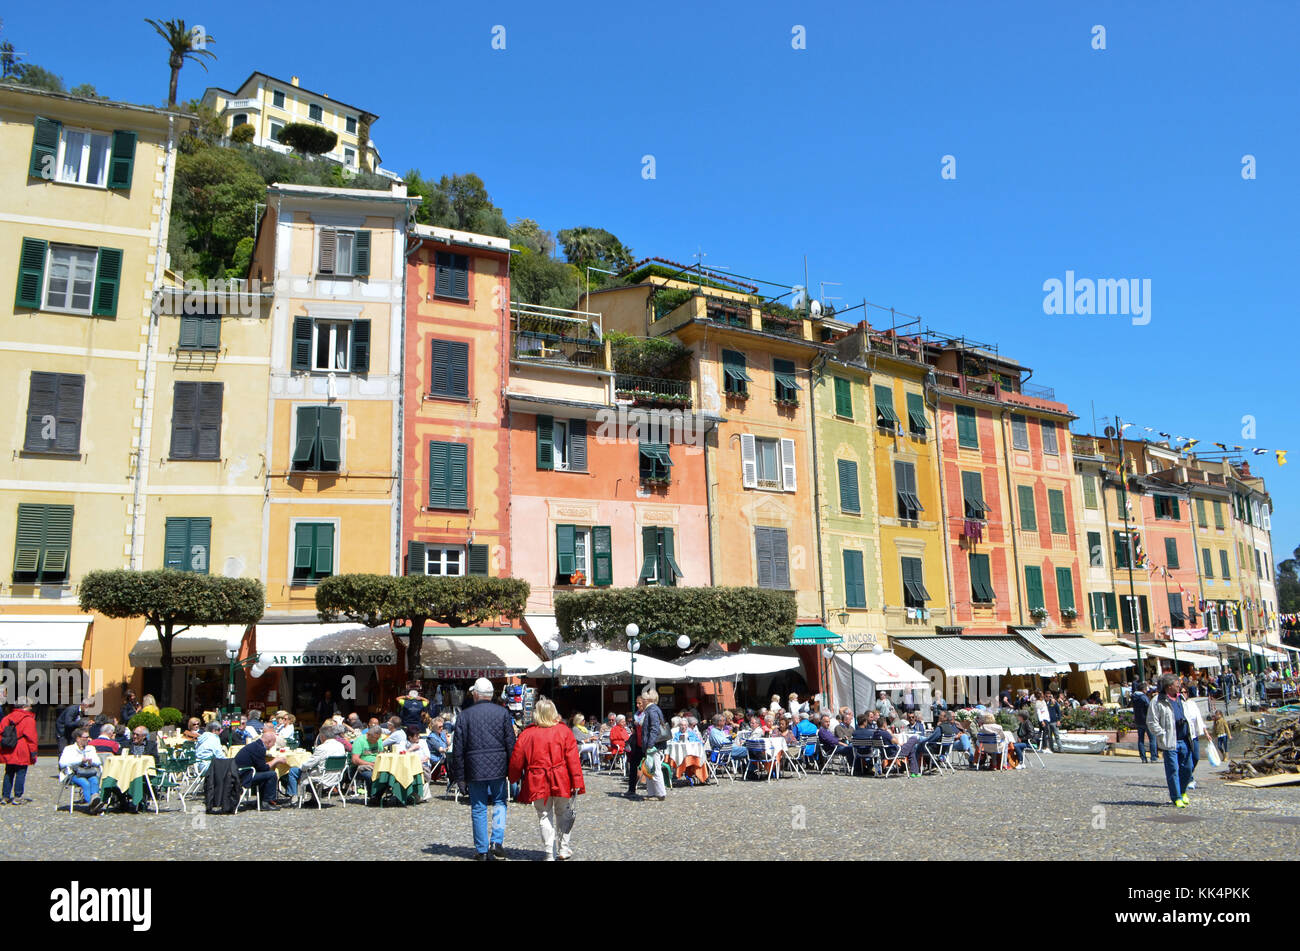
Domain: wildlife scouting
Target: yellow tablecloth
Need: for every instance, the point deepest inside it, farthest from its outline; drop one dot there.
(173, 740)
(292, 758)
(403, 767)
(125, 769)
(232, 750)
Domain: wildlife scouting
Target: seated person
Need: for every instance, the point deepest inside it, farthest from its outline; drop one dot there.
(902, 745)
(286, 727)
(588, 742)
(989, 725)
(829, 739)
(105, 744)
(805, 726)
(844, 726)
(252, 728)
(618, 733)
(142, 744)
(718, 738)
(208, 747)
(1024, 733)
(79, 764)
(327, 746)
(436, 742)
(913, 722)
(758, 728)
(687, 732)
(395, 735)
(353, 727)
(364, 750)
(256, 770)
(415, 748)
(192, 729)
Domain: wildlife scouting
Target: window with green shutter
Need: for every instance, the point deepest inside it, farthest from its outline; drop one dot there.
(1102, 608)
(916, 421)
(449, 369)
(1167, 507)
(1200, 514)
(735, 378)
(448, 475)
(915, 594)
(343, 252)
(1028, 515)
(1019, 431)
(317, 441)
(31, 273)
(968, 436)
(1048, 429)
(122, 160)
(1089, 492)
(886, 418)
(602, 555)
(187, 544)
(1096, 551)
(1122, 548)
(545, 442)
(855, 583)
(108, 278)
(54, 407)
(1065, 589)
(972, 491)
(451, 275)
(1056, 511)
(654, 463)
(1207, 563)
(1218, 514)
(196, 420)
(200, 331)
(1034, 587)
(658, 557)
(43, 545)
(478, 560)
(566, 562)
(850, 502)
(981, 579)
(843, 397)
(313, 552)
(786, 385)
(1223, 564)
(43, 162)
(1171, 552)
(909, 503)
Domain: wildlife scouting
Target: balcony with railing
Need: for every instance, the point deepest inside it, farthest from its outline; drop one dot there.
(732, 313)
(555, 337)
(652, 391)
(782, 326)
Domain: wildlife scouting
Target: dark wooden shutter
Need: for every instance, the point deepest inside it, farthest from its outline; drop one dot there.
(967, 428)
(478, 559)
(360, 346)
(763, 556)
(304, 447)
(323, 563)
(602, 556)
(328, 250)
(1223, 564)
(578, 445)
(108, 277)
(843, 398)
(855, 589)
(42, 401)
(361, 254)
(57, 545)
(669, 570)
(304, 538)
(302, 343)
(1064, 588)
(458, 368)
(209, 421)
(458, 476)
(440, 367)
(439, 468)
(330, 437)
(1121, 550)
(191, 332)
(565, 559)
(850, 500)
(1034, 586)
(45, 148)
(68, 409)
(1056, 511)
(176, 543)
(780, 559)
(441, 274)
(122, 161)
(649, 553)
(1028, 515)
(30, 539)
(1171, 552)
(185, 412)
(1096, 558)
(31, 273)
(460, 276)
(198, 555)
(416, 560)
(210, 332)
(545, 442)
(1142, 610)
(972, 490)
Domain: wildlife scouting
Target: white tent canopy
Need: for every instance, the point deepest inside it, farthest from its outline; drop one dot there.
(43, 637)
(199, 646)
(310, 645)
(724, 665)
(464, 655)
(599, 664)
(858, 677)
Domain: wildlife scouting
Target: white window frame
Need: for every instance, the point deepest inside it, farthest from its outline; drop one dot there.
(439, 553)
(90, 135)
(1135, 607)
(1267, 516)
(276, 129)
(333, 325)
(760, 480)
(1232, 621)
(560, 445)
(66, 307)
(582, 541)
(1212, 617)
(341, 260)
(349, 156)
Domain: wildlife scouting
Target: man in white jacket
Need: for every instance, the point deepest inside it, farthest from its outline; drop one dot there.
(1168, 724)
(79, 764)
(1195, 727)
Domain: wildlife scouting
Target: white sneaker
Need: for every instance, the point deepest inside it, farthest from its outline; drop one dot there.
(1192, 784)
(1020, 766)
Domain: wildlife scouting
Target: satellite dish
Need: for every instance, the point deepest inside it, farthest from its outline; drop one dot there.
(1110, 432)
(815, 309)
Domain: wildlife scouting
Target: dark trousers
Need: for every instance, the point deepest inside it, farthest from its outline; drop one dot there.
(634, 756)
(15, 782)
(1052, 736)
(268, 783)
(1145, 739)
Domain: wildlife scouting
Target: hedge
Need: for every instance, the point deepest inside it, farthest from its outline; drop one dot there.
(747, 616)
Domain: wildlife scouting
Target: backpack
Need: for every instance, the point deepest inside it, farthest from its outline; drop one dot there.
(9, 736)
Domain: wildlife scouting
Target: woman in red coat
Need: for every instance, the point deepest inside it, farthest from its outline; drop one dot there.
(18, 757)
(546, 766)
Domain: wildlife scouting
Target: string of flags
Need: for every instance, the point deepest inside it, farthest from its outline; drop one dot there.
(1188, 443)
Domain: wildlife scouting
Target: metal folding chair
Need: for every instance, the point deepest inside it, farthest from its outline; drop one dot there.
(760, 761)
(887, 762)
(992, 749)
(328, 781)
(837, 753)
(940, 756)
(1035, 745)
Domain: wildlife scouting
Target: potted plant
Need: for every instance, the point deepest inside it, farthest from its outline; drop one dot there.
(1038, 614)
(577, 578)
(787, 402)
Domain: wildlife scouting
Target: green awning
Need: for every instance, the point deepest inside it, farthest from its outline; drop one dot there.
(736, 374)
(787, 380)
(806, 634)
(656, 452)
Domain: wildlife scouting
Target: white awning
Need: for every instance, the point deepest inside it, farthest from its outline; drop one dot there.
(453, 654)
(325, 645)
(200, 646)
(543, 627)
(43, 637)
(980, 656)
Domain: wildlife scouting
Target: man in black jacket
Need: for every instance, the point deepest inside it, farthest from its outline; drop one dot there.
(253, 757)
(1141, 706)
(68, 721)
(480, 758)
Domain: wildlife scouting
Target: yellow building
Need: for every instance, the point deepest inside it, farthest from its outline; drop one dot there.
(86, 188)
(269, 104)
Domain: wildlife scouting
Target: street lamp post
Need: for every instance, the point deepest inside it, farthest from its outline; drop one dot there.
(633, 645)
(552, 646)
(254, 667)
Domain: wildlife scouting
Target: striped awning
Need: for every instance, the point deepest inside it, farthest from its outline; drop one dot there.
(1080, 651)
(975, 656)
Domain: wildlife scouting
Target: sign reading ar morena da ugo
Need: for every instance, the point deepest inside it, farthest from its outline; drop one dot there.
(379, 658)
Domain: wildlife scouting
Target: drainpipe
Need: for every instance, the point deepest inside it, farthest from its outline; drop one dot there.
(400, 442)
(929, 391)
(151, 343)
(708, 499)
(1015, 524)
(817, 482)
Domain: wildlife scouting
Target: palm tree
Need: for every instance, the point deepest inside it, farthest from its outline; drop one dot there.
(181, 40)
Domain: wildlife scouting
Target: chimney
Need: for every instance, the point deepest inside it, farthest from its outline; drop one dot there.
(293, 80)
(1245, 469)
(399, 189)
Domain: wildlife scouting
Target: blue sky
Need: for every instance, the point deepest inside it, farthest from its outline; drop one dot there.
(1116, 163)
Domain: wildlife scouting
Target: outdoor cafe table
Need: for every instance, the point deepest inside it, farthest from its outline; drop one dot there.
(292, 758)
(232, 750)
(399, 773)
(775, 747)
(126, 773)
(688, 757)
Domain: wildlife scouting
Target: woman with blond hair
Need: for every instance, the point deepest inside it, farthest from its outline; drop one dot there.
(149, 705)
(588, 742)
(545, 764)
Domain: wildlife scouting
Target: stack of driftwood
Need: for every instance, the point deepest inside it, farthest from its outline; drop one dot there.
(1275, 749)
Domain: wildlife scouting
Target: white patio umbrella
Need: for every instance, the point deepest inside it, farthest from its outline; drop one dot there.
(601, 664)
(721, 665)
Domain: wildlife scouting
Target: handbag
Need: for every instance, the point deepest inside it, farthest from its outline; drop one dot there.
(85, 772)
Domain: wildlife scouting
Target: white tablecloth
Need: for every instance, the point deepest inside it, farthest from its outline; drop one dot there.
(678, 751)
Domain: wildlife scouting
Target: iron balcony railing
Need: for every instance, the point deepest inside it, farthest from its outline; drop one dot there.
(556, 337)
(651, 391)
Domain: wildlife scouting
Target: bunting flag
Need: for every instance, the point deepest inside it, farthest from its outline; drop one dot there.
(1222, 446)
(1191, 443)
(1281, 456)
(1259, 452)
(1167, 436)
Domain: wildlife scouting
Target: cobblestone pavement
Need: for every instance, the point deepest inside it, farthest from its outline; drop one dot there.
(1077, 807)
